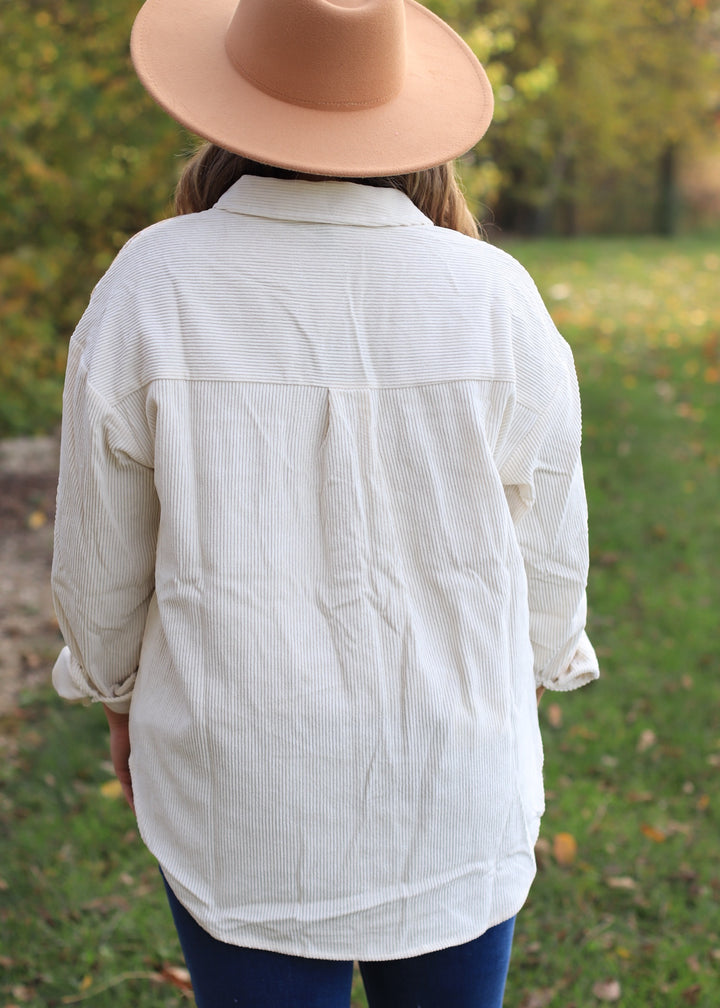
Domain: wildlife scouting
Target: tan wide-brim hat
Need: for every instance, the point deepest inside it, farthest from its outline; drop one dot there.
(349, 88)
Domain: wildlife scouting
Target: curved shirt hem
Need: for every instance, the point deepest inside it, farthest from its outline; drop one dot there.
(463, 902)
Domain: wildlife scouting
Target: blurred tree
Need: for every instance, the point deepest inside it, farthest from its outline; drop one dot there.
(595, 104)
(85, 160)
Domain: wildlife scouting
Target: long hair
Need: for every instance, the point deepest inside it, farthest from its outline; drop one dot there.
(212, 170)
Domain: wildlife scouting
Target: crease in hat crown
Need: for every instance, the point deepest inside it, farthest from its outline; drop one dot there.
(320, 53)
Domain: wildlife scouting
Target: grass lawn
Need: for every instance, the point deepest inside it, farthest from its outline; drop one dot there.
(632, 762)
(625, 906)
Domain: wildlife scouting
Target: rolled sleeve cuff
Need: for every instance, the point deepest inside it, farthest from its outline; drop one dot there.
(72, 683)
(582, 669)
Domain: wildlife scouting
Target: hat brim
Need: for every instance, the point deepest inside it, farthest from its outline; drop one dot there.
(442, 110)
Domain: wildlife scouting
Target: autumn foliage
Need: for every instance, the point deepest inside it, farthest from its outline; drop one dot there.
(86, 160)
(590, 98)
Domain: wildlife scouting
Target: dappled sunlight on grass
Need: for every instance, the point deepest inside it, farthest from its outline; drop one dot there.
(628, 294)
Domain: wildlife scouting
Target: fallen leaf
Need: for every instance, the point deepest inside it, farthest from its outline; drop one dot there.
(36, 520)
(178, 976)
(105, 904)
(652, 833)
(582, 731)
(674, 827)
(32, 660)
(638, 797)
(111, 789)
(622, 882)
(691, 994)
(554, 715)
(647, 740)
(607, 990)
(564, 849)
(608, 559)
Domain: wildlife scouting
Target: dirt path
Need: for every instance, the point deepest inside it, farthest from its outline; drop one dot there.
(29, 637)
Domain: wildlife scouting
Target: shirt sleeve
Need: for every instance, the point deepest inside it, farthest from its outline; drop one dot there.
(544, 486)
(105, 541)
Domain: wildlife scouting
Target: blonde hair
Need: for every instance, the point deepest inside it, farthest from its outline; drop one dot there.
(434, 191)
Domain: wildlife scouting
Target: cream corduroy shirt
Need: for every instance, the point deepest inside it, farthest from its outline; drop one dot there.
(321, 529)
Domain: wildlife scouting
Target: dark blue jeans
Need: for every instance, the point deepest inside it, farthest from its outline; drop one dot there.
(226, 976)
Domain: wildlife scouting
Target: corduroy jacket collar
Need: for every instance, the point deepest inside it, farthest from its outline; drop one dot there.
(345, 203)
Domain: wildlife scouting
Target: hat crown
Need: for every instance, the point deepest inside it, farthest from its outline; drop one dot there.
(321, 54)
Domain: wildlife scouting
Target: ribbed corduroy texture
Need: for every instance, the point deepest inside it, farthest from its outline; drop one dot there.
(321, 527)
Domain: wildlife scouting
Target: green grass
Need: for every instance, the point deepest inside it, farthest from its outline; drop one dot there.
(631, 762)
(81, 899)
